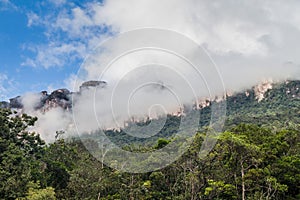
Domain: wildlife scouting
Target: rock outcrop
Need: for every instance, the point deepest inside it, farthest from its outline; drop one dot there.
(92, 84)
(58, 98)
(4, 104)
(16, 102)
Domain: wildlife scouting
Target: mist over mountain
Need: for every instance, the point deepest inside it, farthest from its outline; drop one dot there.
(44, 101)
(263, 102)
(148, 100)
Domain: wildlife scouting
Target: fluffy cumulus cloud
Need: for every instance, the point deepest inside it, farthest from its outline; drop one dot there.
(249, 37)
(55, 54)
(253, 39)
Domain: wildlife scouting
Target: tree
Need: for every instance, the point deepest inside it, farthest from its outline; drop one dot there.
(35, 192)
(19, 153)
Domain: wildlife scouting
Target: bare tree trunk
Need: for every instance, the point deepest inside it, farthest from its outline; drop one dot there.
(243, 181)
(131, 188)
(103, 157)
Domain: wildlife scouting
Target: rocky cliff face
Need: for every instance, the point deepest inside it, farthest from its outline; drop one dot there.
(63, 97)
(58, 98)
(92, 84)
(16, 102)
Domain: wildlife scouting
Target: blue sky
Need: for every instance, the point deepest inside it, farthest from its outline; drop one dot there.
(24, 33)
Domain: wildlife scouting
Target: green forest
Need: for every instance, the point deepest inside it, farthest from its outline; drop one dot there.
(257, 157)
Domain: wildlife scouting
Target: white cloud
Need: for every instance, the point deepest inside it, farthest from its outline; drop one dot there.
(224, 26)
(7, 5)
(3, 90)
(8, 87)
(58, 2)
(251, 37)
(71, 34)
(33, 19)
(249, 41)
(75, 23)
(55, 54)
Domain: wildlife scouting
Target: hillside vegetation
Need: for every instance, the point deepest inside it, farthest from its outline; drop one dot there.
(256, 157)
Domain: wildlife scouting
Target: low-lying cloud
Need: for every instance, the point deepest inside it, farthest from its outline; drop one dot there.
(248, 41)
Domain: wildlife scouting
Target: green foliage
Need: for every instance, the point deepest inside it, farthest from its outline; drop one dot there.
(218, 189)
(19, 153)
(36, 193)
(161, 143)
(256, 157)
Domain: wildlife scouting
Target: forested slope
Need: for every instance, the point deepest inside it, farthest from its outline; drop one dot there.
(256, 157)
